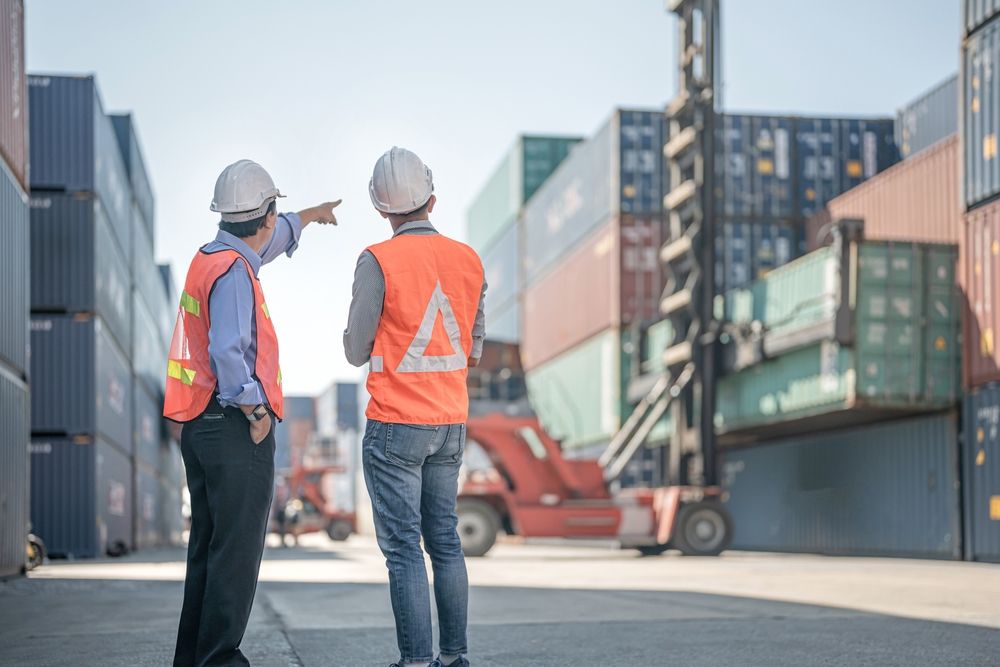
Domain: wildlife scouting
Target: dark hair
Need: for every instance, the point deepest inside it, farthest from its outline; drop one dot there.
(244, 229)
(416, 211)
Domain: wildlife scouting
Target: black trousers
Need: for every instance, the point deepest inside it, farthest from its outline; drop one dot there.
(231, 481)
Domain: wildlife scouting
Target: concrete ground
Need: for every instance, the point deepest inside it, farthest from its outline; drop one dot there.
(539, 605)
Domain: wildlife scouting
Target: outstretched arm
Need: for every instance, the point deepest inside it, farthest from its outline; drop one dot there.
(289, 226)
(323, 214)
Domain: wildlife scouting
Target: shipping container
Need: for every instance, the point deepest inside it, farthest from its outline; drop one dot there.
(76, 267)
(747, 249)
(753, 167)
(147, 431)
(171, 463)
(74, 147)
(928, 119)
(835, 155)
(612, 279)
(15, 270)
(149, 351)
(501, 267)
(14, 437)
(617, 172)
(13, 91)
(978, 12)
(503, 323)
(147, 507)
(142, 191)
(81, 383)
(981, 115)
(890, 489)
(577, 396)
(915, 200)
(172, 522)
(982, 319)
(981, 458)
(81, 497)
(172, 302)
(525, 167)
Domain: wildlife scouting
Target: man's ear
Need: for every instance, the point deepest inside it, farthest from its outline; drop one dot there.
(431, 202)
(271, 219)
(383, 214)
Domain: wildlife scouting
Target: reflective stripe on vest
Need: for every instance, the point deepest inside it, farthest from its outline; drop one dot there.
(190, 380)
(418, 367)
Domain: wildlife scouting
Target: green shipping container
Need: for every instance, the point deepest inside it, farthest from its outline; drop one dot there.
(525, 167)
(577, 395)
(900, 351)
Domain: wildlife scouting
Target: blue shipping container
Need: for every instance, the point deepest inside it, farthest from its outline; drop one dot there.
(746, 249)
(886, 490)
(981, 96)
(753, 167)
(978, 12)
(928, 119)
(981, 457)
(142, 191)
(74, 147)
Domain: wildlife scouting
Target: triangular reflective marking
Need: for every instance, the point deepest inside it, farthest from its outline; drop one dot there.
(414, 361)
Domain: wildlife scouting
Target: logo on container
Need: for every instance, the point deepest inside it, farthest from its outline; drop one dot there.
(40, 448)
(148, 507)
(41, 325)
(41, 81)
(40, 202)
(116, 395)
(116, 498)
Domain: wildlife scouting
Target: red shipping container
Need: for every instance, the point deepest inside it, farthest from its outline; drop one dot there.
(915, 200)
(613, 278)
(982, 282)
(13, 90)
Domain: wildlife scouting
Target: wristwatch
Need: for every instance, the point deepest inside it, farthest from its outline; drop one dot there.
(258, 413)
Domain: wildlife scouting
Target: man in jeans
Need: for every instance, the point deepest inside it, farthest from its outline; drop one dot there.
(417, 319)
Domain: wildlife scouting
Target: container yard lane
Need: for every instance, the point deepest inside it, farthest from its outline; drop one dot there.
(540, 605)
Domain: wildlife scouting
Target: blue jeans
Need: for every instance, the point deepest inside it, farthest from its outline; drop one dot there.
(412, 477)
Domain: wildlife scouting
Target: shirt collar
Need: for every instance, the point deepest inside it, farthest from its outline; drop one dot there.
(412, 226)
(240, 246)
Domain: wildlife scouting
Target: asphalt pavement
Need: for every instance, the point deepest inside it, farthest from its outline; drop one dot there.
(327, 604)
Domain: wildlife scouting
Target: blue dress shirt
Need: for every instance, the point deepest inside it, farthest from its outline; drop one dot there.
(232, 334)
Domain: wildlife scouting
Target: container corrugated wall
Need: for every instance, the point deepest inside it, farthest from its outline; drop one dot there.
(928, 119)
(149, 282)
(74, 147)
(147, 432)
(885, 490)
(503, 325)
(753, 167)
(577, 396)
(75, 265)
(500, 266)
(982, 271)
(978, 12)
(747, 249)
(13, 91)
(981, 115)
(14, 435)
(149, 352)
(576, 300)
(981, 458)
(15, 271)
(147, 507)
(142, 191)
(80, 378)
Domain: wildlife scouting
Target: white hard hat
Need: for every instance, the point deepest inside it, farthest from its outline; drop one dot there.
(401, 182)
(243, 192)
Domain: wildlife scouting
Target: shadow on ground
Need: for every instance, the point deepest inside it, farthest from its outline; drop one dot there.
(87, 622)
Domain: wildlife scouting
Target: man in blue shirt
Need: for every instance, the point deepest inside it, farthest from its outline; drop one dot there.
(225, 394)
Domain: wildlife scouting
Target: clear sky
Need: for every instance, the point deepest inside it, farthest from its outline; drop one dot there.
(316, 91)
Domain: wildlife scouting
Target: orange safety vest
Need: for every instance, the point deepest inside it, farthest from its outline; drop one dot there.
(419, 362)
(190, 380)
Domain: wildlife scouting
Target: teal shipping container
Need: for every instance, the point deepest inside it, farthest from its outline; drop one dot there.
(525, 167)
(890, 347)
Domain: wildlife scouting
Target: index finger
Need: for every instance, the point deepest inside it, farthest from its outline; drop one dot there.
(335, 204)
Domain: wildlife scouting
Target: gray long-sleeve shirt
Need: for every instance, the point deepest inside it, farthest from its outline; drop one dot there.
(369, 297)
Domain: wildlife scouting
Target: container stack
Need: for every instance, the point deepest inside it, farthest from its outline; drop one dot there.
(14, 291)
(591, 273)
(494, 227)
(845, 368)
(98, 351)
(980, 114)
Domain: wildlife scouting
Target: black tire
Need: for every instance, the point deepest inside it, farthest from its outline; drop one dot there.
(339, 530)
(478, 524)
(652, 549)
(703, 529)
(36, 552)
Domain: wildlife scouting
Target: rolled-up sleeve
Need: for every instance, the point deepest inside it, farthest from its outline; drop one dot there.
(285, 238)
(479, 326)
(230, 336)
(368, 298)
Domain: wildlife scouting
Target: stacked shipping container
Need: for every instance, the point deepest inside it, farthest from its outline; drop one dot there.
(98, 332)
(14, 292)
(980, 113)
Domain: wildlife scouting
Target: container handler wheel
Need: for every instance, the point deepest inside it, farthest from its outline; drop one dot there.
(478, 524)
(339, 530)
(703, 529)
